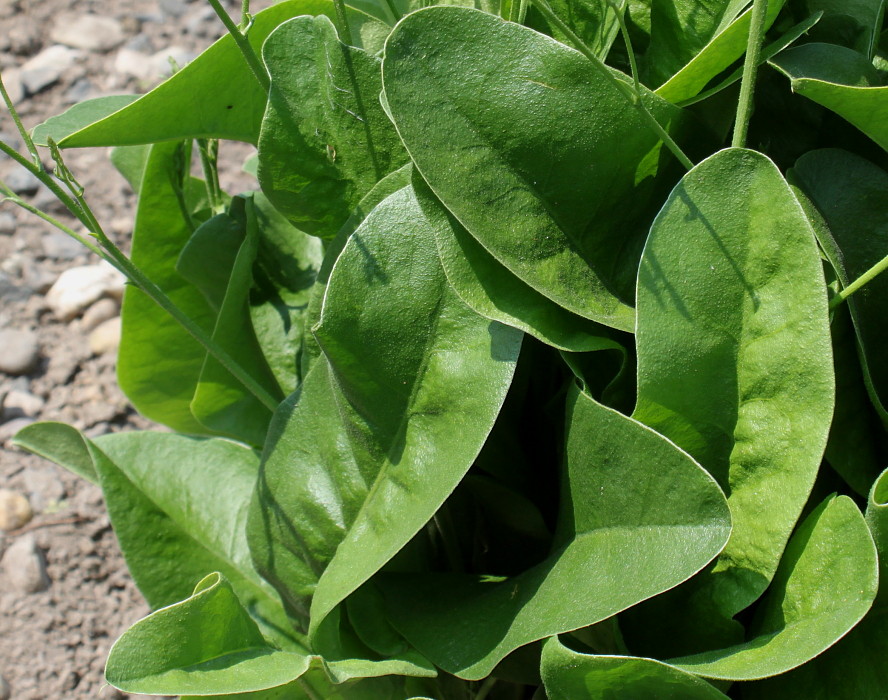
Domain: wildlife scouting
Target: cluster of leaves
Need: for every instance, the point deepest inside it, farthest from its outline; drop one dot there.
(485, 395)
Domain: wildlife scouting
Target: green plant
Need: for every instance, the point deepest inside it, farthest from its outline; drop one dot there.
(514, 380)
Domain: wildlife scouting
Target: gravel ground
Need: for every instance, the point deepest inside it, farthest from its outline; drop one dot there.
(65, 594)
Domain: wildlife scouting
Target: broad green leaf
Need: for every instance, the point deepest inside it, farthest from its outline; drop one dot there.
(734, 366)
(59, 443)
(494, 292)
(592, 20)
(221, 402)
(178, 506)
(130, 162)
(159, 362)
(569, 675)
(826, 583)
(284, 274)
(533, 150)
(854, 668)
(325, 140)
(214, 96)
(626, 532)
(841, 80)
(390, 184)
(857, 22)
(361, 457)
(79, 116)
(717, 55)
(852, 196)
(207, 644)
(681, 29)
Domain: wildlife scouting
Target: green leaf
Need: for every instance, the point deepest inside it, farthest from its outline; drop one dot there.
(325, 140)
(491, 290)
(877, 519)
(682, 29)
(734, 366)
(346, 478)
(841, 80)
(542, 159)
(284, 276)
(826, 583)
(58, 443)
(172, 534)
(130, 162)
(626, 531)
(716, 56)
(854, 23)
(390, 184)
(214, 96)
(569, 675)
(79, 116)
(592, 20)
(220, 402)
(207, 644)
(159, 362)
(852, 196)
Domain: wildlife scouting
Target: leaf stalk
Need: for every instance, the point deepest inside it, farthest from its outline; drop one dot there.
(865, 278)
(750, 70)
(240, 38)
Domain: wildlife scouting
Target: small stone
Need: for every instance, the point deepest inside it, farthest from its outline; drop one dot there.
(172, 8)
(21, 403)
(134, 63)
(44, 486)
(81, 90)
(19, 351)
(15, 510)
(46, 68)
(37, 277)
(106, 337)
(142, 43)
(12, 80)
(7, 224)
(102, 310)
(11, 427)
(22, 181)
(58, 246)
(24, 566)
(5, 690)
(88, 32)
(162, 62)
(77, 288)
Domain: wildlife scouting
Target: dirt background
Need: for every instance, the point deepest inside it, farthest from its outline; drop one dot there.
(65, 594)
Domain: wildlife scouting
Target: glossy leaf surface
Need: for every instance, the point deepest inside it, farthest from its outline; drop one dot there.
(568, 675)
(826, 583)
(346, 480)
(214, 96)
(325, 140)
(735, 364)
(627, 532)
(475, 100)
(207, 644)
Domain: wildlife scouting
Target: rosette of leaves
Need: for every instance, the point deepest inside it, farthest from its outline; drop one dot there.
(516, 377)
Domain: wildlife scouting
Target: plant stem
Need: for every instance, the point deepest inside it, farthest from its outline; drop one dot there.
(26, 138)
(750, 69)
(627, 91)
(865, 278)
(393, 9)
(246, 17)
(342, 25)
(209, 154)
(486, 687)
(244, 45)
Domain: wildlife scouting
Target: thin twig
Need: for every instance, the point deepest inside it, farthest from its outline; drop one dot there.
(244, 45)
(750, 69)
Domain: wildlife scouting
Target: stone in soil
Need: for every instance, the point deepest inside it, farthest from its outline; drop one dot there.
(15, 510)
(7, 224)
(78, 288)
(105, 338)
(24, 566)
(11, 427)
(21, 403)
(5, 690)
(102, 310)
(58, 246)
(88, 32)
(19, 351)
(22, 181)
(47, 68)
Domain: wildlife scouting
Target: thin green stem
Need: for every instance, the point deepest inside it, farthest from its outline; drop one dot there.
(865, 278)
(26, 137)
(625, 89)
(750, 70)
(394, 10)
(624, 31)
(342, 26)
(209, 155)
(244, 45)
(486, 687)
(308, 690)
(246, 17)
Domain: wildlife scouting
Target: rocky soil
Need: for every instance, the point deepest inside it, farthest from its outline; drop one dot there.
(65, 594)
